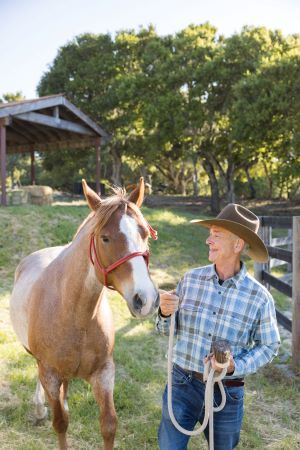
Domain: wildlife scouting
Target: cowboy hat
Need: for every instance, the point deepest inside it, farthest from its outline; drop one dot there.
(244, 224)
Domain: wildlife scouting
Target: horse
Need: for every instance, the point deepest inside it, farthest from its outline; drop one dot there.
(59, 308)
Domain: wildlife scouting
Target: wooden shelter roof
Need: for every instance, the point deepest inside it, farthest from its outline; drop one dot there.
(48, 123)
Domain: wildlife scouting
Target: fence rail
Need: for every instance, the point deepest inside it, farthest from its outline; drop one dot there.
(288, 284)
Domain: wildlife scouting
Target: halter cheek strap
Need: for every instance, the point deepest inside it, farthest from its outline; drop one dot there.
(106, 270)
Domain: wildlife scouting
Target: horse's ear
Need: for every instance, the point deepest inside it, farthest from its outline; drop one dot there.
(137, 196)
(92, 198)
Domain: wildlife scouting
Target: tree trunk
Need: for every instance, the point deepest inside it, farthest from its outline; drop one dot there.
(215, 199)
(227, 177)
(195, 178)
(269, 178)
(250, 182)
(116, 167)
(230, 191)
(230, 183)
(183, 187)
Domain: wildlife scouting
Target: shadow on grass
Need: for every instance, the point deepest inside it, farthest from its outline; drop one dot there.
(138, 389)
(140, 379)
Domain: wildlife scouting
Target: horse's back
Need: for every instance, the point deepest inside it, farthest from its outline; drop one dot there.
(27, 273)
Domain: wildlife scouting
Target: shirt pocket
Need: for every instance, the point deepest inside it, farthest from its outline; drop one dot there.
(190, 317)
(239, 330)
(191, 304)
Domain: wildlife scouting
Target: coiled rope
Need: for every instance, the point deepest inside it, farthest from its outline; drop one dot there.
(211, 378)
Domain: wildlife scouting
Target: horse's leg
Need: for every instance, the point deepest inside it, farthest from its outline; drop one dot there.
(40, 411)
(65, 395)
(102, 382)
(55, 394)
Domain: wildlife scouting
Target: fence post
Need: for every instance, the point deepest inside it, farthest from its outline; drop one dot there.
(258, 267)
(290, 247)
(296, 294)
(267, 237)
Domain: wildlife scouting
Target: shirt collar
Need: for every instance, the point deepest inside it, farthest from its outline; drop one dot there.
(236, 279)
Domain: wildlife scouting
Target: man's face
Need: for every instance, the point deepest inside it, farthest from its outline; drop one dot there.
(222, 245)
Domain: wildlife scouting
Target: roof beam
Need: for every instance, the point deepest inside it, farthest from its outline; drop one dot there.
(54, 122)
(78, 144)
(31, 105)
(21, 129)
(87, 120)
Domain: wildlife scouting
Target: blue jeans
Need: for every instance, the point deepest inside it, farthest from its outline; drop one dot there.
(188, 407)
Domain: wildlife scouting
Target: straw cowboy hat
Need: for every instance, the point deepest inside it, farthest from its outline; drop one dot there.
(244, 224)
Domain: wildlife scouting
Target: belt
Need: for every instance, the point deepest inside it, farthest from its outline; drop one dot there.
(235, 382)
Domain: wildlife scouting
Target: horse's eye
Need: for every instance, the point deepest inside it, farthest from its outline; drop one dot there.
(104, 239)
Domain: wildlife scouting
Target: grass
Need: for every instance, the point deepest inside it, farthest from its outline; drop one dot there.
(272, 406)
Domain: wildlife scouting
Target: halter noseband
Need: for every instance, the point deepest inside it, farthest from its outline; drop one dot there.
(106, 270)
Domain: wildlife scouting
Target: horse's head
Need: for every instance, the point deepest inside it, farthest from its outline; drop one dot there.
(119, 247)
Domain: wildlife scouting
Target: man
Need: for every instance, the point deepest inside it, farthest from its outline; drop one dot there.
(218, 301)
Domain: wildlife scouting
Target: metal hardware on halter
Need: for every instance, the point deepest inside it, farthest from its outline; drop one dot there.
(153, 232)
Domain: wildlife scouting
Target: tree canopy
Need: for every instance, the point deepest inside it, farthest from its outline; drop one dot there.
(188, 108)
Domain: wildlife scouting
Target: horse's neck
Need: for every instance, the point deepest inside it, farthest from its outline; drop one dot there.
(80, 288)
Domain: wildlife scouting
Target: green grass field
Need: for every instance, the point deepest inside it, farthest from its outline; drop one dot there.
(272, 407)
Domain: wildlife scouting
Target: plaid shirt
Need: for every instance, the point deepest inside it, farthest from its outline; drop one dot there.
(240, 310)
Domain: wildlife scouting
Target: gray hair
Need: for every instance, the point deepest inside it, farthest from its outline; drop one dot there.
(245, 250)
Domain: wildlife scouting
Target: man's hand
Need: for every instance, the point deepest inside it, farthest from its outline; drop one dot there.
(212, 359)
(168, 302)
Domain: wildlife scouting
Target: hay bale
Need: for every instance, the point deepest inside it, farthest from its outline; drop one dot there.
(17, 197)
(40, 195)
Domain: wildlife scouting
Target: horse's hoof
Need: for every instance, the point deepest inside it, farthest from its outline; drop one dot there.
(39, 422)
(40, 415)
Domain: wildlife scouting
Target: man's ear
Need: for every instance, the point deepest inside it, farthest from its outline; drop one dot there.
(137, 196)
(93, 199)
(239, 245)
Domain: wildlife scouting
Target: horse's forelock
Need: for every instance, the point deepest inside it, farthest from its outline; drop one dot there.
(108, 206)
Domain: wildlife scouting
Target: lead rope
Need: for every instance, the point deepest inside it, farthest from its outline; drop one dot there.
(211, 378)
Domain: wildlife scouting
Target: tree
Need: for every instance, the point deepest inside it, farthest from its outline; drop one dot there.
(98, 74)
(174, 115)
(266, 114)
(235, 59)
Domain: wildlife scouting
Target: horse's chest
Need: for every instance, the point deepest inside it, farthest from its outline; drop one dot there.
(96, 349)
(81, 355)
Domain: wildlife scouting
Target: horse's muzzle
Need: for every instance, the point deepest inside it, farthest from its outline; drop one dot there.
(141, 307)
(137, 303)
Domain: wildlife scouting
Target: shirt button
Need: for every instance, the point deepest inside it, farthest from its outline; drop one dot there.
(220, 292)
(209, 334)
(214, 313)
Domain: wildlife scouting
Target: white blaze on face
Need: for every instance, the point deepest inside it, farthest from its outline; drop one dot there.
(142, 284)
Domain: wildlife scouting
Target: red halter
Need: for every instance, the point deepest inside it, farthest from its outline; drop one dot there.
(106, 270)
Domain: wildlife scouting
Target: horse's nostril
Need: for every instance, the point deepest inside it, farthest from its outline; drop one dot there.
(137, 302)
(157, 301)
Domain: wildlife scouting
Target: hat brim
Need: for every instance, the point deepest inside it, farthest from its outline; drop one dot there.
(257, 249)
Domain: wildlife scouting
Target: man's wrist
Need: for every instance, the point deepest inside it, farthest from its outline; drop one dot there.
(231, 369)
(163, 315)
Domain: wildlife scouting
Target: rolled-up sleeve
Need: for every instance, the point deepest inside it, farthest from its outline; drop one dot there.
(266, 341)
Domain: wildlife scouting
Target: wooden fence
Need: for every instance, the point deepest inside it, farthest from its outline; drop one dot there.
(289, 284)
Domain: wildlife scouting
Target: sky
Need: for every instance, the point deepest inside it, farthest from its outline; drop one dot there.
(32, 31)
